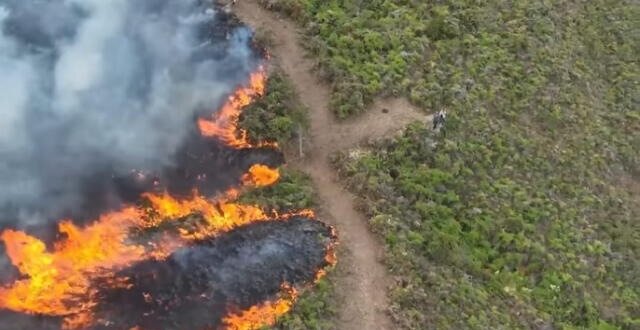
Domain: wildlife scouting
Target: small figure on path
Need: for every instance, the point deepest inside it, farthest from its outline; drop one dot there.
(439, 119)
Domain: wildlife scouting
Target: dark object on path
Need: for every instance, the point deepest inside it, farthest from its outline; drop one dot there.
(439, 119)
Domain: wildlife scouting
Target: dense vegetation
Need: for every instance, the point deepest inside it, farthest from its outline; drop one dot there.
(495, 234)
(315, 309)
(292, 192)
(523, 212)
(277, 116)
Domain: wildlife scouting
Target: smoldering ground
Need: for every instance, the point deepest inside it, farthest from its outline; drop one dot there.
(196, 287)
(93, 89)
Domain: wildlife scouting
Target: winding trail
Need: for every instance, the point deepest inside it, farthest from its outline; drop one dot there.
(362, 279)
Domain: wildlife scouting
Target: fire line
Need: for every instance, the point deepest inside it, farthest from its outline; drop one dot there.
(58, 282)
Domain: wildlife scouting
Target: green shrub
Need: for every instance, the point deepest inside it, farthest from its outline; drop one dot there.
(515, 215)
(276, 116)
(522, 213)
(314, 310)
(294, 191)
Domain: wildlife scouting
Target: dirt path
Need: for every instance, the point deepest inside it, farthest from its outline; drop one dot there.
(363, 280)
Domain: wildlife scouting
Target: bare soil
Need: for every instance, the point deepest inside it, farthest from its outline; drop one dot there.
(362, 279)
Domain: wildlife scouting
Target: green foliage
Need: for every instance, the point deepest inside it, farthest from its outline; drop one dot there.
(523, 212)
(276, 116)
(314, 310)
(492, 233)
(432, 50)
(292, 192)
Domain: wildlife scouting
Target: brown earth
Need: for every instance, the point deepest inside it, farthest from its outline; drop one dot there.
(361, 279)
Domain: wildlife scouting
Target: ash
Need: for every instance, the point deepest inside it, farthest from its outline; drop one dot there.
(199, 285)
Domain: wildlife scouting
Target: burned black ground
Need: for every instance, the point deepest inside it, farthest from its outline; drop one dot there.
(197, 286)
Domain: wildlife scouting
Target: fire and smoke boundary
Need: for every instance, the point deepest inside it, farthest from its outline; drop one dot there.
(66, 282)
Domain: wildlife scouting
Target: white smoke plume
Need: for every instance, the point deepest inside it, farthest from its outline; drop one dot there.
(89, 86)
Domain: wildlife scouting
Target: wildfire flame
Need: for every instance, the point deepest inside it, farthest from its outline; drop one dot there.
(57, 282)
(266, 313)
(261, 176)
(224, 124)
(220, 216)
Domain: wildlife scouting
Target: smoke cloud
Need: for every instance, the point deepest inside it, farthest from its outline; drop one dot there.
(89, 87)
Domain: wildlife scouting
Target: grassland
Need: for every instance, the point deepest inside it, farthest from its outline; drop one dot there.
(524, 211)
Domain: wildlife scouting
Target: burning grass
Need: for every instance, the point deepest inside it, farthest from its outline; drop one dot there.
(243, 279)
(59, 282)
(175, 262)
(224, 124)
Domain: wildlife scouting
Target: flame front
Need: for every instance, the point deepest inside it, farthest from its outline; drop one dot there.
(220, 216)
(224, 124)
(261, 176)
(266, 313)
(57, 282)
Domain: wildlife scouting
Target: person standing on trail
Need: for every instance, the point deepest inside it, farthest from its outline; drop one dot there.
(439, 119)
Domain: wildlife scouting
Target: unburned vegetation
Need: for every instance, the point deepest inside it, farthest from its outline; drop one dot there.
(278, 115)
(523, 211)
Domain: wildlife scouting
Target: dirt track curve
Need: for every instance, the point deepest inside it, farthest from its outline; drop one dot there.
(363, 281)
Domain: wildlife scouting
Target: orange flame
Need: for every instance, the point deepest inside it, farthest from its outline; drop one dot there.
(220, 216)
(261, 176)
(331, 256)
(57, 279)
(224, 124)
(264, 314)
(57, 282)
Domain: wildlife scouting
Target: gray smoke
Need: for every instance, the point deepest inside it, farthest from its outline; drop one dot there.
(95, 85)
